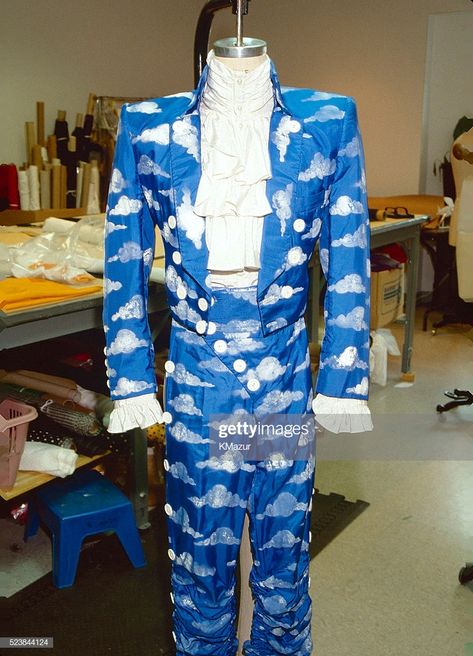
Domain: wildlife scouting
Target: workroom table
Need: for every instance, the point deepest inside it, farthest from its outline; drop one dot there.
(390, 231)
(64, 318)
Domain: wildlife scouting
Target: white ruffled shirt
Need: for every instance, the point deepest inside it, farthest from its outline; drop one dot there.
(235, 110)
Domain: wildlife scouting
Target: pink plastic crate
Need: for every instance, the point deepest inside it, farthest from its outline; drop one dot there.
(14, 420)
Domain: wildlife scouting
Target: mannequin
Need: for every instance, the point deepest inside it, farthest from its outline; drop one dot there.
(238, 349)
(462, 169)
(461, 228)
(245, 557)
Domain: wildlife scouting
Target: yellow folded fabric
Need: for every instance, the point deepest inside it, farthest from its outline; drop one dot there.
(21, 293)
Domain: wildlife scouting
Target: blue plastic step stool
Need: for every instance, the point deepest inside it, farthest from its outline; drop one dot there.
(83, 504)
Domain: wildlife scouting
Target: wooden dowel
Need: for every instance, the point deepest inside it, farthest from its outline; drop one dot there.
(40, 122)
(30, 140)
(36, 156)
(52, 147)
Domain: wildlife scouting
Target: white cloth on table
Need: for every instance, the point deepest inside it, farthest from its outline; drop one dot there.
(48, 459)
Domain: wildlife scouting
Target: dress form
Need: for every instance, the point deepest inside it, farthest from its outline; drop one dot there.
(462, 169)
(245, 614)
(461, 228)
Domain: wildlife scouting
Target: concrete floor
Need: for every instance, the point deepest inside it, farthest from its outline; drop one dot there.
(387, 585)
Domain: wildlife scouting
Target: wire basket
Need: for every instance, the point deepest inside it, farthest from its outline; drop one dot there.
(14, 420)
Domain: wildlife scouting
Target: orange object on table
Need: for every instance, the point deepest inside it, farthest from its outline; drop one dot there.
(21, 293)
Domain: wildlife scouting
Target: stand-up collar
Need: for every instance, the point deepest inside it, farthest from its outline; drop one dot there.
(196, 95)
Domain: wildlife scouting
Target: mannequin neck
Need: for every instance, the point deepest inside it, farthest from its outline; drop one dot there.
(242, 63)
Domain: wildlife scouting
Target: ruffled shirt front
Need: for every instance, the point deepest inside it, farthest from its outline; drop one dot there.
(235, 113)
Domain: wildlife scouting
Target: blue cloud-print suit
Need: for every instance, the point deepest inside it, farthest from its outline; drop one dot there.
(238, 351)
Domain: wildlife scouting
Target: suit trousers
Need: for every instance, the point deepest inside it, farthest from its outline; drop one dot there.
(237, 371)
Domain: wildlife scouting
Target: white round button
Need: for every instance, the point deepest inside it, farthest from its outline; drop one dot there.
(211, 328)
(172, 222)
(309, 580)
(294, 255)
(201, 326)
(181, 292)
(172, 597)
(203, 305)
(253, 384)
(166, 464)
(286, 291)
(108, 384)
(174, 635)
(310, 505)
(167, 417)
(168, 509)
(220, 346)
(310, 536)
(176, 257)
(169, 366)
(239, 365)
(171, 554)
(105, 350)
(299, 225)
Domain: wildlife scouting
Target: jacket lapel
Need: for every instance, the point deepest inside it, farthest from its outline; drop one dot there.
(186, 173)
(285, 142)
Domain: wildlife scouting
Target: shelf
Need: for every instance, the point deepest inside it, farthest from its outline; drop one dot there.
(28, 480)
(19, 217)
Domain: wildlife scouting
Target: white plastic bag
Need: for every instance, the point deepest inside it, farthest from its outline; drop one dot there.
(384, 343)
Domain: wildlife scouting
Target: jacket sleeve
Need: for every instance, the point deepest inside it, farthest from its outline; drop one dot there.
(129, 250)
(345, 259)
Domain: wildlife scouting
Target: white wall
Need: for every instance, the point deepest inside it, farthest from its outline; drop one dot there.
(449, 89)
(58, 51)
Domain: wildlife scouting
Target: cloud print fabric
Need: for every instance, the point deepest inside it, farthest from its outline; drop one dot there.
(241, 352)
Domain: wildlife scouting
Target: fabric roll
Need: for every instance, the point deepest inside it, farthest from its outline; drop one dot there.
(26, 380)
(46, 431)
(91, 232)
(45, 189)
(33, 185)
(79, 422)
(56, 185)
(93, 201)
(12, 186)
(60, 226)
(80, 179)
(24, 190)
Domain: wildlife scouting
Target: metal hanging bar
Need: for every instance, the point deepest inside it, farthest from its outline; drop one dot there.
(202, 33)
(238, 46)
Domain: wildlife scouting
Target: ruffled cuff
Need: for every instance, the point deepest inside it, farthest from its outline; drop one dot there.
(136, 412)
(342, 415)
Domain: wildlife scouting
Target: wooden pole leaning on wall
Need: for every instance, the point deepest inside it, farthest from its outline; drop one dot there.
(30, 140)
(40, 123)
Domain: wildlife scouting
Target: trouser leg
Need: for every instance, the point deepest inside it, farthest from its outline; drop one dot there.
(280, 509)
(206, 503)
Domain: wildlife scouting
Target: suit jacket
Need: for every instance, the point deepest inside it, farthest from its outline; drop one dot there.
(317, 192)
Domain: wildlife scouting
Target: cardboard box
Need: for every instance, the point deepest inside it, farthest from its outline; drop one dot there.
(387, 297)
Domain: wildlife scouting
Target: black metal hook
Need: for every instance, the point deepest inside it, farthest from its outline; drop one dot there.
(202, 32)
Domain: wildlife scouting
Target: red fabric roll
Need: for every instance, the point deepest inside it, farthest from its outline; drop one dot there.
(9, 185)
